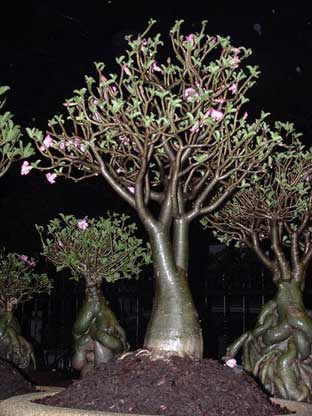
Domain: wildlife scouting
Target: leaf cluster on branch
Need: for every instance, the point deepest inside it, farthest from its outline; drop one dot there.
(95, 249)
(11, 145)
(18, 282)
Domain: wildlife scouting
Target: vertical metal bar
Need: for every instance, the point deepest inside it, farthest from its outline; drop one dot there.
(137, 323)
(244, 314)
(262, 287)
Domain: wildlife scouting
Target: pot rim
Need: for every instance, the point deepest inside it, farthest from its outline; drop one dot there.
(23, 406)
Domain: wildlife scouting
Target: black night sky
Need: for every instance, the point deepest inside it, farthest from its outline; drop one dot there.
(47, 47)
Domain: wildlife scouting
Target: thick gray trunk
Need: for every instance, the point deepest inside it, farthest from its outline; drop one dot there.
(181, 243)
(174, 326)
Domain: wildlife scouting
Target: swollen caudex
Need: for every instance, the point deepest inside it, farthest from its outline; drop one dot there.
(278, 349)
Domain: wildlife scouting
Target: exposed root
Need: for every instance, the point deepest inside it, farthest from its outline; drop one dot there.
(279, 349)
(153, 354)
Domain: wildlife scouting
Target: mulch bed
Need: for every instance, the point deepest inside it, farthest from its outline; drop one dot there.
(12, 381)
(139, 383)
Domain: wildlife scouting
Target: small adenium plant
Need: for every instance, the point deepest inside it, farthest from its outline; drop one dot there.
(104, 248)
(95, 250)
(18, 283)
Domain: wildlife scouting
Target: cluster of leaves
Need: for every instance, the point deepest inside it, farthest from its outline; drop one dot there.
(11, 145)
(18, 282)
(178, 121)
(96, 249)
(272, 206)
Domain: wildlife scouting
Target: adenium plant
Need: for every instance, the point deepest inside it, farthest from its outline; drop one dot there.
(95, 250)
(18, 283)
(12, 147)
(18, 280)
(167, 133)
(272, 216)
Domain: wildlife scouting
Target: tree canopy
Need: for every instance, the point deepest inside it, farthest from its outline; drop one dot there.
(272, 213)
(95, 249)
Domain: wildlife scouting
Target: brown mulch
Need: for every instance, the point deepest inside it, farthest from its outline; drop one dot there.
(12, 381)
(172, 387)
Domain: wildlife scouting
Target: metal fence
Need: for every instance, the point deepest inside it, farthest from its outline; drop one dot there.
(228, 299)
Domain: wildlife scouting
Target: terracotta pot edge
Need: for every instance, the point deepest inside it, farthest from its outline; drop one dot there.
(48, 389)
(301, 408)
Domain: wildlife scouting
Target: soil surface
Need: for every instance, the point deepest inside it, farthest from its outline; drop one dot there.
(12, 381)
(139, 383)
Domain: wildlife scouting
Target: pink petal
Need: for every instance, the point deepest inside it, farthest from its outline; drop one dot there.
(126, 69)
(190, 38)
(231, 363)
(48, 141)
(51, 177)
(26, 168)
(83, 224)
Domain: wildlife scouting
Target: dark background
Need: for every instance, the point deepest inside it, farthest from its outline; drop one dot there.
(46, 48)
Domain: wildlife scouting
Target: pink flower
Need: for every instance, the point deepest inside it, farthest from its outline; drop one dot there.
(131, 189)
(245, 115)
(69, 104)
(23, 257)
(95, 116)
(77, 141)
(30, 262)
(124, 139)
(231, 363)
(156, 67)
(126, 69)
(189, 93)
(83, 224)
(113, 89)
(94, 101)
(195, 128)
(48, 141)
(62, 145)
(235, 61)
(219, 100)
(236, 51)
(190, 38)
(51, 177)
(215, 114)
(144, 42)
(26, 168)
(233, 88)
